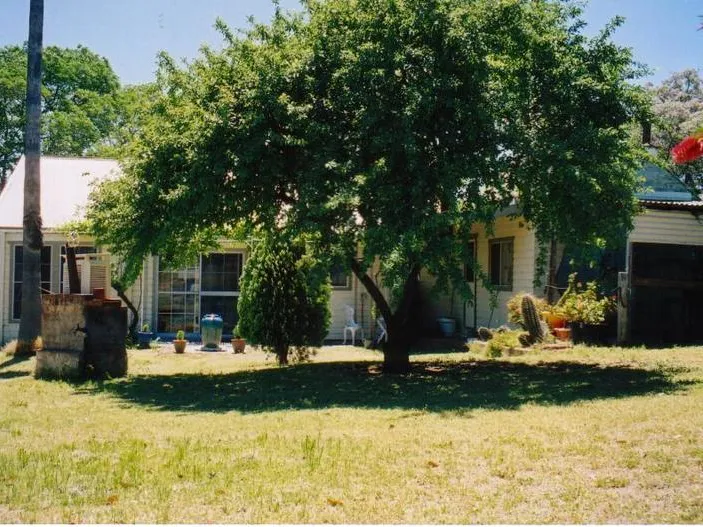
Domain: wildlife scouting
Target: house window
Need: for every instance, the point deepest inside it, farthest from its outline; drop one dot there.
(220, 274)
(500, 262)
(179, 300)
(469, 273)
(340, 278)
(186, 295)
(45, 271)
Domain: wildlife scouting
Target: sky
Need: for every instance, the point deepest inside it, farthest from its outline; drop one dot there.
(130, 33)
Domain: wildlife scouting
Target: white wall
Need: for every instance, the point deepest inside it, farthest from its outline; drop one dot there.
(667, 226)
(524, 265)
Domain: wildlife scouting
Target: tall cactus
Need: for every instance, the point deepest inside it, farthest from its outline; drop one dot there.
(531, 319)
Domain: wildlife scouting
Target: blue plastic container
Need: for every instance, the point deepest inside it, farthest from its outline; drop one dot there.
(211, 332)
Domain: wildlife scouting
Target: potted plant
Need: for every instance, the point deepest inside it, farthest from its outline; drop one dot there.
(144, 337)
(179, 343)
(587, 312)
(238, 343)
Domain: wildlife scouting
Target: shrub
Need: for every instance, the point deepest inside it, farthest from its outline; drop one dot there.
(284, 297)
(503, 342)
(583, 304)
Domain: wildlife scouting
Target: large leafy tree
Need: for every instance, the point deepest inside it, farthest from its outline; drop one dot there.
(80, 102)
(393, 126)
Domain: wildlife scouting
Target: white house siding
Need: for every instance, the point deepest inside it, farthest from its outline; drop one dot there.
(667, 226)
(9, 238)
(524, 265)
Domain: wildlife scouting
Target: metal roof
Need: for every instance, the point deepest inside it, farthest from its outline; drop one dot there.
(65, 185)
(672, 205)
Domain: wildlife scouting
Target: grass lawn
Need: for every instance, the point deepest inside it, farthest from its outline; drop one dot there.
(580, 436)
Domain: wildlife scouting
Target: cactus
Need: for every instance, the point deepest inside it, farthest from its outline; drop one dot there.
(525, 340)
(531, 319)
(484, 334)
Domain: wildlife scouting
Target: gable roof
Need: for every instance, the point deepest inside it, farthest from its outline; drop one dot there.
(65, 185)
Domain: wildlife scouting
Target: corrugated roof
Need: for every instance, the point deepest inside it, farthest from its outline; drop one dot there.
(672, 205)
(65, 185)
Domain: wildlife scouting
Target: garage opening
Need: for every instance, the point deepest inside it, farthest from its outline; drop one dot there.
(667, 294)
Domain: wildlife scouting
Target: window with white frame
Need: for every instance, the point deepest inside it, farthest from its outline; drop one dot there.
(45, 271)
(500, 263)
(186, 295)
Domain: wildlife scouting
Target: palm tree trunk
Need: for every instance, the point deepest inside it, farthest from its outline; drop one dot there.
(30, 320)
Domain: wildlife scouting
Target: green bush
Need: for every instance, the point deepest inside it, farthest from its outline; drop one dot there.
(284, 298)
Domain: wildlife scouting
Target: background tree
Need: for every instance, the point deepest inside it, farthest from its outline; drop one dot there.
(678, 112)
(81, 103)
(284, 298)
(30, 320)
(394, 126)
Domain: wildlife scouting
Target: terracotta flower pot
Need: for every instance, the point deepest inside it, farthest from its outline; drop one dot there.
(562, 333)
(238, 345)
(180, 345)
(553, 320)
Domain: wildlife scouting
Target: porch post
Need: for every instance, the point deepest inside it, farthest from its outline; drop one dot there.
(623, 307)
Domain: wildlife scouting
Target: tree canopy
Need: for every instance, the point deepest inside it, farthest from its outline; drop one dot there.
(678, 112)
(80, 103)
(392, 125)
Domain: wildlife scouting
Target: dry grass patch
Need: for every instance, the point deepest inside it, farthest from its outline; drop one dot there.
(580, 436)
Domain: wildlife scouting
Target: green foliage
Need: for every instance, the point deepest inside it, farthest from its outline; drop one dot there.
(80, 102)
(180, 335)
(145, 328)
(392, 125)
(584, 304)
(503, 342)
(284, 297)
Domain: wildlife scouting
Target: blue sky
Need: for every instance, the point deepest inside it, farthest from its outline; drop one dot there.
(130, 33)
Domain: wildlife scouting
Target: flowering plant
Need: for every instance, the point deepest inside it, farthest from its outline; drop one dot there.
(583, 304)
(689, 149)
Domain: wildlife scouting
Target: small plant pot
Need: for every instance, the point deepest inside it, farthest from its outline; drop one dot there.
(554, 321)
(144, 338)
(562, 334)
(238, 345)
(180, 345)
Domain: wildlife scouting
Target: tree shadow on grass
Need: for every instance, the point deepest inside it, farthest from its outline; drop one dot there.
(14, 359)
(430, 386)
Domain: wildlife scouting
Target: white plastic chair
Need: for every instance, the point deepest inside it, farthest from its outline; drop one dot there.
(383, 335)
(351, 325)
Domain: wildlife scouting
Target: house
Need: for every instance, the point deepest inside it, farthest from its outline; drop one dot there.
(661, 276)
(167, 300)
(661, 282)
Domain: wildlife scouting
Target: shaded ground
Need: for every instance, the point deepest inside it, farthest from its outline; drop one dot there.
(431, 386)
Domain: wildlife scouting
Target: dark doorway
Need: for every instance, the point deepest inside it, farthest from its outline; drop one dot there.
(667, 294)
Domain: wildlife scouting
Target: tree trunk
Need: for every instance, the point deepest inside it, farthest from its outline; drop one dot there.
(74, 281)
(132, 330)
(282, 355)
(30, 319)
(396, 352)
